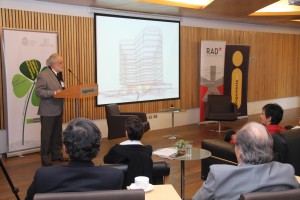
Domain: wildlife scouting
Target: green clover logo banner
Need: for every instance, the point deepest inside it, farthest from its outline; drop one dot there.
(24, 54)
(24, 84)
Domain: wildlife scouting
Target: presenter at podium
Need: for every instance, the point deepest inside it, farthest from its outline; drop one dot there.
(49, 83)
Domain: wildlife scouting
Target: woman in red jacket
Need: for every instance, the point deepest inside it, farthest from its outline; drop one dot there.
(270, 116)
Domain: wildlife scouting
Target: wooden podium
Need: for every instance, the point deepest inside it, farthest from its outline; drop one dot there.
(77, 92)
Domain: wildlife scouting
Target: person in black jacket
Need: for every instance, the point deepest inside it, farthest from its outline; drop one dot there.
(132, 152)
(82, 141)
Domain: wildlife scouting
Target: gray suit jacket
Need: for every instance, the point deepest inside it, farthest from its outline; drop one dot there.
(229, 182)
(46, 85)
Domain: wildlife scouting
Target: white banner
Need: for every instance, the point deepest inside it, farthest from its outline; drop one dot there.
(25, 53)
(211, 70)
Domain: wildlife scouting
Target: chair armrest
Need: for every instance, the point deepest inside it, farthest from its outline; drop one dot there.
(219, 148)
(161, 168)
(291, 194)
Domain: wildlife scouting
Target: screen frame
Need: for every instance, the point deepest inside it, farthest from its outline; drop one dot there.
(137, 18)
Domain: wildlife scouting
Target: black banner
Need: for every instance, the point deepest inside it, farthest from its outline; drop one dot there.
(236, 75)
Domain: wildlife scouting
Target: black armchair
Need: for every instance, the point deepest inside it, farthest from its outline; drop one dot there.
(292, 194)
(160, 171)
(220, 108)
(116, 120)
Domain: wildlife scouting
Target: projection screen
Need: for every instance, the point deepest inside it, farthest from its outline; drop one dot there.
(137, 59)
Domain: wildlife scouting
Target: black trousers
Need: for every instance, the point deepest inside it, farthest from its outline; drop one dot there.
(51, 137)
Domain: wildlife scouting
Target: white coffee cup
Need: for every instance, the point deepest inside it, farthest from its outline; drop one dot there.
(141, 182)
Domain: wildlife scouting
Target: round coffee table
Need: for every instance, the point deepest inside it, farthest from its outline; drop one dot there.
(197, 154)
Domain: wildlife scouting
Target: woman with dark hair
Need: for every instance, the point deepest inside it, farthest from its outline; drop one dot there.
(133, 152)
(270, 117)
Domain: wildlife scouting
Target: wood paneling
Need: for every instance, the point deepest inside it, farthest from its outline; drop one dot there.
(274, 73)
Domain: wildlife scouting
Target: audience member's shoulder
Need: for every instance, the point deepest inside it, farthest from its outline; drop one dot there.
(280, 165)
(45, 71)
(149, 147)
(225, 167)
(223, 171)
(49, 169)
(116, 146)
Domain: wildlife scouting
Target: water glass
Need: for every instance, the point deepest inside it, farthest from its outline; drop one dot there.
(189, 148)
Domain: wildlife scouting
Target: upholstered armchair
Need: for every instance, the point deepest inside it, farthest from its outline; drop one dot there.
(116, 120)
(220, 108)
(161, 170)
(292, 194)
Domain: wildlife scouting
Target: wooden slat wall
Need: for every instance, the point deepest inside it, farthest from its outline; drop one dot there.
(274, 73)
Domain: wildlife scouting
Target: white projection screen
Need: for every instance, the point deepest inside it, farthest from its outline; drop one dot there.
(137, 59)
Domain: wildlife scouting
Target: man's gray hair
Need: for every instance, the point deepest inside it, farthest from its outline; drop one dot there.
(256, 144)
(52, 59)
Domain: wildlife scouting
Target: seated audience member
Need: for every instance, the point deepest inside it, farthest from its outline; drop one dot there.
(270, 117)
(132, 151)
(81, 141)
(255, 171)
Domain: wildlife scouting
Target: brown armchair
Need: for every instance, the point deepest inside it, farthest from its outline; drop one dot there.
(116, 120)
(220, 108)
(93, 195)
(292, 194)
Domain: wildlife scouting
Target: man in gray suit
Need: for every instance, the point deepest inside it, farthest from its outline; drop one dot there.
(255, 170)
(50, 82)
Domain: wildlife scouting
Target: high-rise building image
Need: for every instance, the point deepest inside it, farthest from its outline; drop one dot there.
(141, 59)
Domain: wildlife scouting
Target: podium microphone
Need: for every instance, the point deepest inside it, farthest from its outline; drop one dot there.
(75, 76)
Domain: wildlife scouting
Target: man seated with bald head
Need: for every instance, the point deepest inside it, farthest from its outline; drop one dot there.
(255, 171)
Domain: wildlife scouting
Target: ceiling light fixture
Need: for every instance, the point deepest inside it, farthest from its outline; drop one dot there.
(280, 8)
(195, 4)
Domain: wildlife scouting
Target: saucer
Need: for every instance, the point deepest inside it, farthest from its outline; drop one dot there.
(134, 187)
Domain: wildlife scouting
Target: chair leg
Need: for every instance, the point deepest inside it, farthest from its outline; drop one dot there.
(219, 123)
(220, 130)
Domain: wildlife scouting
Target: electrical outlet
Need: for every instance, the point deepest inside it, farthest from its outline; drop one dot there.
(154, 116)
(149, 116)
